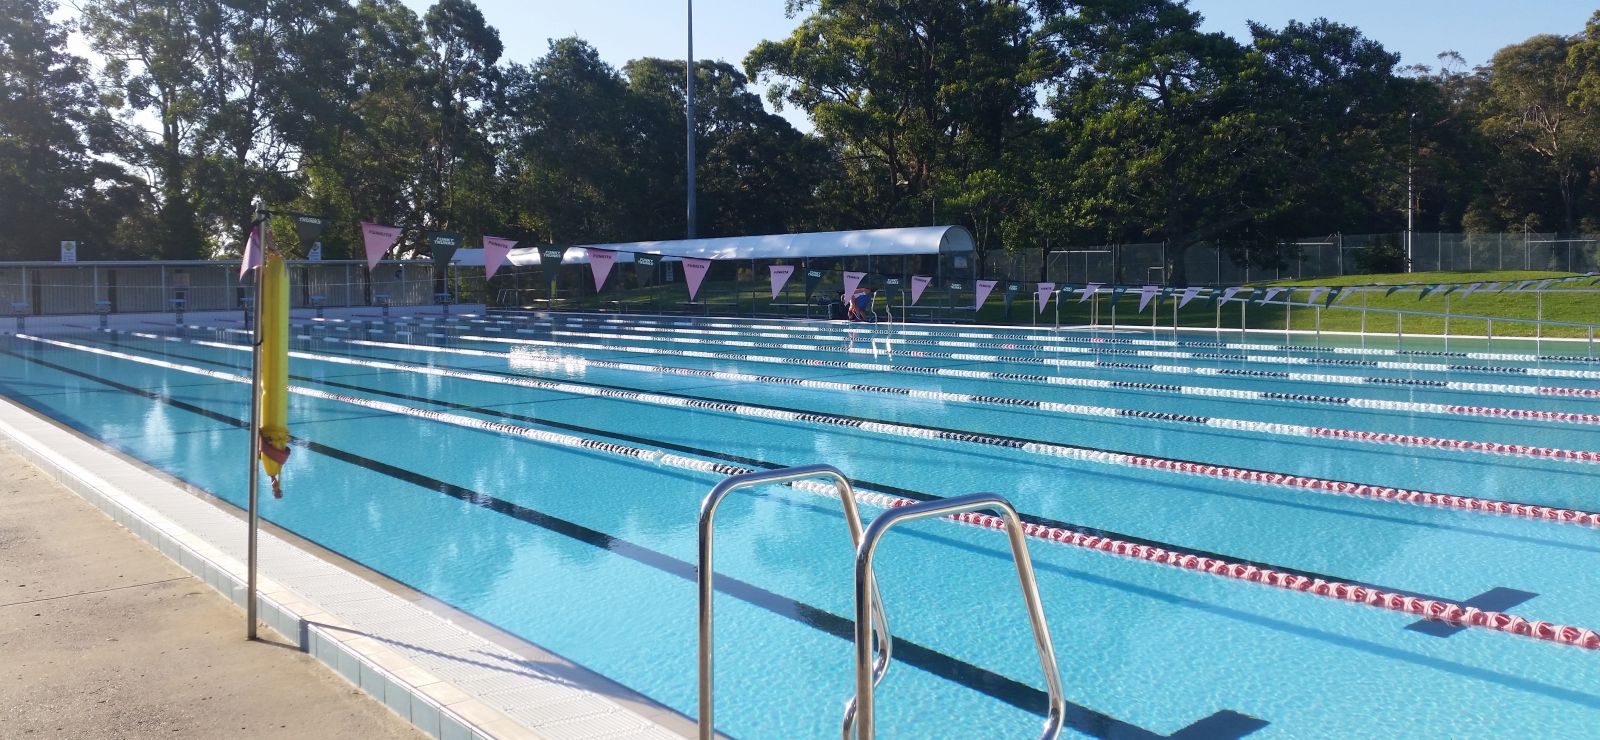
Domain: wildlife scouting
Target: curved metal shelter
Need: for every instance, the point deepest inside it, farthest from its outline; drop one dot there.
(914, 240)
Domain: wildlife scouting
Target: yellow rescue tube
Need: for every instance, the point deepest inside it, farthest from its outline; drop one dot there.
(274, 369)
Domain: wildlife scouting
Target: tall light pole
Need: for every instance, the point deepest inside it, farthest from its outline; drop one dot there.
(689, 107)
(1411, 150)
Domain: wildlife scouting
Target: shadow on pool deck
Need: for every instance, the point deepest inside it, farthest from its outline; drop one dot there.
(103, 636)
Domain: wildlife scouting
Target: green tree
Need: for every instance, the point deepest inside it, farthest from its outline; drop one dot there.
(915, 97)
(1546, 144)
(52, 127)
(571, 134)
(756, 174)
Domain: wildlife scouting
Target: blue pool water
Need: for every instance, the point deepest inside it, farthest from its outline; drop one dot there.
(591, 554)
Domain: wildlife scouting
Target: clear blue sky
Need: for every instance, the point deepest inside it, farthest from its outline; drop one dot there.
(727, 29)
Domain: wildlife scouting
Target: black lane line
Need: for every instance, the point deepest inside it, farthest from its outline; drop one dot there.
(860, 483)
(997, 686)
(849, 421)
(1496, 599)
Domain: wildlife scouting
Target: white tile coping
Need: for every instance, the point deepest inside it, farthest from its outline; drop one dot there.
(446, 680)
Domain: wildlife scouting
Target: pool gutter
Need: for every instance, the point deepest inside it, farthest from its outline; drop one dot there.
(447, 680)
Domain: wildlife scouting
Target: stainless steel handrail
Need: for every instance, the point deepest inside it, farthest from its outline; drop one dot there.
(879, 627)
(867, 589)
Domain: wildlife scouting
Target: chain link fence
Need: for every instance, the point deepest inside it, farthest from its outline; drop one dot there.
(1307, 258)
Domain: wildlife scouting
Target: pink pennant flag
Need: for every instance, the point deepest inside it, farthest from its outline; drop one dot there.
(1271, 293)
(1188, 295)
(1315, 294)
(985, 287)
(1090, 291)
(1473, 288)
(780, 278)
(919, 283)
(254, 255)
(600, 262)
(378, 239)
(1145, 294)
(1227, 295)
(694, 271)
(1045, 291)
(495, 250)
(852, 280)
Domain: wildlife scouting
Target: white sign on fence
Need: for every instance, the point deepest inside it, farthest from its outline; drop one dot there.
(69, 251)
(316, 251)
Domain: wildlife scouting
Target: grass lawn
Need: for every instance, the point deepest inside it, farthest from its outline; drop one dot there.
(1570, 306)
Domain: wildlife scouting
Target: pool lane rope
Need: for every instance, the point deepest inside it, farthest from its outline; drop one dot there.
(1253, 359)
(1239, 425)
(1321, 378)
(1415, 606)
(898, 330)
(1568, 417)
(894, 339)
(1096, 383)
(1034, 447)
(673, 336)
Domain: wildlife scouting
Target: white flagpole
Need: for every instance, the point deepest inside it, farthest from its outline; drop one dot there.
(255, 434)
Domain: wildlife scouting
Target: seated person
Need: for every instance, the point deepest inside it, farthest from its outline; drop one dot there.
(861, 305)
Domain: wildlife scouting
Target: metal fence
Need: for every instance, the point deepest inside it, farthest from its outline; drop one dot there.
(744, 287)
(52, 288)
(1312, 257)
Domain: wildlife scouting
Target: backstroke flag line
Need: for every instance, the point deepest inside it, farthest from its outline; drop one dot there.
(694, 271)
(780, 278)
(600, 262)
(378, 239)
(495, 250)
(984, 287)
(1089, 291)
(852, 280)
(252, 251)
(1145, 294)
(1045, 289)
(1188, 295)
(919, 283)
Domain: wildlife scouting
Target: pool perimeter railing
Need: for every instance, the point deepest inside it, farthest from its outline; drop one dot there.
(57, 288)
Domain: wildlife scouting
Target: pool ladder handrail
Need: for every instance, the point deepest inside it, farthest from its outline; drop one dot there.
(867, 602)
(877, 633)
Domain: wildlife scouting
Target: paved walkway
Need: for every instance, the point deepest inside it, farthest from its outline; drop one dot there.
(102, 636)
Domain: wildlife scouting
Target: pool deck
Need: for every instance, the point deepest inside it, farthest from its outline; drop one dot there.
(441, 670)
(101, 636)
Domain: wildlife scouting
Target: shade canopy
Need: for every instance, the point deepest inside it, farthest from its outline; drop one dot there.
(529, 257)
(873, 242)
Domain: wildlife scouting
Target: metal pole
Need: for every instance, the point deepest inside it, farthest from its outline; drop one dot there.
(1447, 322)
(252, 560)
(877, 626)
(689, 110)
(867, 603)
(1410, 200)
(1288, 316)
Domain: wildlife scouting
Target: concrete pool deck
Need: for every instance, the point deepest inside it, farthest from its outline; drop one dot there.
(444, 672)
(102, 636)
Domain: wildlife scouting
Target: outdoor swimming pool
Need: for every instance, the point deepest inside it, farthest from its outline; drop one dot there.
(544, 473)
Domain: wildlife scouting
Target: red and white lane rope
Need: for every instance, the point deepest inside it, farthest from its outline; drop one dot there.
(1240, 425)
(1034, 447)
(900, 330)
(896, 338)
(1320, 378)
(1410, 605)
(1431, 367)
(1186, 390)
(1568, 417)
